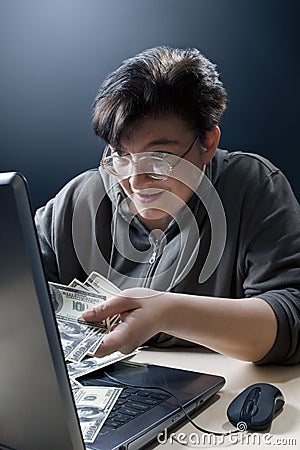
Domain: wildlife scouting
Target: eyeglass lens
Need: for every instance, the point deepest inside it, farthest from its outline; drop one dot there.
(123, 166)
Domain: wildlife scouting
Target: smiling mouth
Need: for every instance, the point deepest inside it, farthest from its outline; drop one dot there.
(147, 198)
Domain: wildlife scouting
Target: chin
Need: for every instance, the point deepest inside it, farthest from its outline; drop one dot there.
(154, 218)
(153, 214)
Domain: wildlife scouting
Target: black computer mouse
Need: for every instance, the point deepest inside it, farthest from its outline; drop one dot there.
(255, 407)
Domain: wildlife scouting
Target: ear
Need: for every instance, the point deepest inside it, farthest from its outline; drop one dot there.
(212, 139)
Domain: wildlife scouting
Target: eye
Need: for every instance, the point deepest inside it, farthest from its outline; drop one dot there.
(119, 152)
(161, 153)
(166, 156)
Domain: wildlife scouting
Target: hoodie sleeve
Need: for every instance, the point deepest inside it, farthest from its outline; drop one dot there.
(286, 306)
(272, 262)
(55, 222)
(44, 222)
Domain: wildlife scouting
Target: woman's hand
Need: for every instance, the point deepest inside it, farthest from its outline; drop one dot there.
(142, 314)
(241, 328)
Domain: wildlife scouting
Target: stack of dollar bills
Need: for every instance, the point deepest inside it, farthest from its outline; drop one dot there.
(80, 340)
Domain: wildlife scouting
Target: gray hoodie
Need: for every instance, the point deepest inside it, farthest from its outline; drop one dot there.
(238, 236)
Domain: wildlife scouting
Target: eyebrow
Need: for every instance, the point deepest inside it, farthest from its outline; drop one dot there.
(153, 143)
(161, 141)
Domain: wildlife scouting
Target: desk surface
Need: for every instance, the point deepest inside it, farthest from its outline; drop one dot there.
(285, 428)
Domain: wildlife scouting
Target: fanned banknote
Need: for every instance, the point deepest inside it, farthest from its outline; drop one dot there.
(94, 404)
(101, 285)
(91, 364)
(88, 287)
(78, 337)
(70, 302)
(88, 345)
(78, 285)
(75, 384)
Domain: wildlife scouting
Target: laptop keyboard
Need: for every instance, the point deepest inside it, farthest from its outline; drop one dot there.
(132, 402)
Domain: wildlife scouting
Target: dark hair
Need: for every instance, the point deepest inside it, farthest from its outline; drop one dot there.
(159, 81)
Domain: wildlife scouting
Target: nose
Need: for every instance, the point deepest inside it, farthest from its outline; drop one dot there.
(138, 180)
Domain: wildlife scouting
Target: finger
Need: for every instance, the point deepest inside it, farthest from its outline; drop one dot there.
(117, 340)
(109, 308)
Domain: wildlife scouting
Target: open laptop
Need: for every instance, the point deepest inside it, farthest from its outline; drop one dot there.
(37, 409)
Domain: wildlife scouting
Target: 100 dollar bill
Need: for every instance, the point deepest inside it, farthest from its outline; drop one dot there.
(78, 337)
(100, 284)
(94, 404)
(70, 303)
(91, 364)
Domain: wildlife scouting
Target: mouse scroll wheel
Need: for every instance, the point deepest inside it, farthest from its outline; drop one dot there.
(251, 408)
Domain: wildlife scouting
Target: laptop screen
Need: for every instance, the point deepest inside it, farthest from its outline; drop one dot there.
(33, 378)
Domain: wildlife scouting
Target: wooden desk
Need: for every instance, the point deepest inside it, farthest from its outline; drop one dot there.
(285, 428)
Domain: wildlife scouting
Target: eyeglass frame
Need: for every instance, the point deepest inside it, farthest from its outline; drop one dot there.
(150, 175)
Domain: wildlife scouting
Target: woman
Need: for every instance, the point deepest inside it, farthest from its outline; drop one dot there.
(204, 243)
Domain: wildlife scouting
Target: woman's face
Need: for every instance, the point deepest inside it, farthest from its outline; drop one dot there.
(156, 201)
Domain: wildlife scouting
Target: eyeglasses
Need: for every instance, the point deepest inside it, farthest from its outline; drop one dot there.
(156, 167)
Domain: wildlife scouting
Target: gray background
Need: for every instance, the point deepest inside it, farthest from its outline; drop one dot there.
(54, 54)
